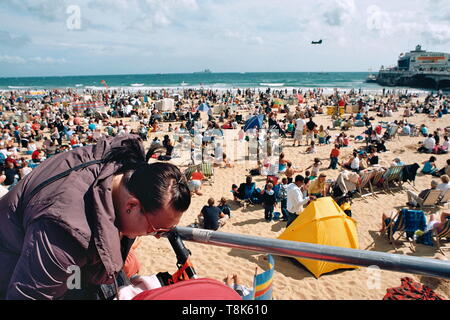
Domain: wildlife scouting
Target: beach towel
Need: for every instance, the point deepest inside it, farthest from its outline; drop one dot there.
(411, 290)
(414, 220)
(409, 172)
(425, 238)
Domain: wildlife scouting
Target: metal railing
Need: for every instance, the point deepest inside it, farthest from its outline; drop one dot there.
(354, 257)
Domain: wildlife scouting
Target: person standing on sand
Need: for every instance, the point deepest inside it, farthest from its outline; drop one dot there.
(299, 128)
(295, 199)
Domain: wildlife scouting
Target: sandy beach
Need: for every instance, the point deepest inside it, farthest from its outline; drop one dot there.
(292, 281)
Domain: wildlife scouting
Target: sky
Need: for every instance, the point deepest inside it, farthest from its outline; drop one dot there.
(102, 37)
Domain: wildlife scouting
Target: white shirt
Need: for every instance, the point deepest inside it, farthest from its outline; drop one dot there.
(429, 143)
(300, 124)
(295, 199)
(355, 164)
(443, 186)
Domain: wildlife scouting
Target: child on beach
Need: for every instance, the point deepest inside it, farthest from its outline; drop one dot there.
(269, 201)
(241, 134)
(290, 172)
(224, 207)
(334, 157)
(315, 168)
(282, 197)
(312, 148)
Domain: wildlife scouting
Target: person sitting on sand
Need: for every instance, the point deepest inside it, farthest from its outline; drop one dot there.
(195, 183)
(429, 166)
(318, 187)
(312, 148)
(224, 207)
(211, 217)
(282, 163)
(353, 163)
(245, 191)
(444, 170)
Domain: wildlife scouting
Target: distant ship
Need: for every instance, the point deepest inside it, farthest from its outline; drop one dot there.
(418, 69)
(372, 79)
(204, 71)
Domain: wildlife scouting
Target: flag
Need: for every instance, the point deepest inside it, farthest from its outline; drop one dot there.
(104, 83)
(262, 283)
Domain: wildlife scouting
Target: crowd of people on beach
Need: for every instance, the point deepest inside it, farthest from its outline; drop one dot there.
(36, 128)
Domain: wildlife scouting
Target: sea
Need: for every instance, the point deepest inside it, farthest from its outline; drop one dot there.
(210, 80)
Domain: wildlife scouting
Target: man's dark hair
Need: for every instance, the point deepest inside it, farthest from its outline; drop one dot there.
(299, 178)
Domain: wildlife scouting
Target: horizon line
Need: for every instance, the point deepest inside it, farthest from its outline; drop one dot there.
(176, 73)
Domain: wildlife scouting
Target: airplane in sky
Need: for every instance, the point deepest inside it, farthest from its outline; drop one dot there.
(317, 42)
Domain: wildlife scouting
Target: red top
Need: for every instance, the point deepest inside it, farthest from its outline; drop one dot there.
(198, 176)
(35, 154)
(335, 153)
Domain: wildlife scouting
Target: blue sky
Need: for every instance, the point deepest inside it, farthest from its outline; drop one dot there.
(85, 37)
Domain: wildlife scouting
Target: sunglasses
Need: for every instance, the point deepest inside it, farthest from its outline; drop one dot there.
(156, 232)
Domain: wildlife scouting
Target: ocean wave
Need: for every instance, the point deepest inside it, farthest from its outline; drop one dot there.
(137, 84)
(19, 87)
(271, 84)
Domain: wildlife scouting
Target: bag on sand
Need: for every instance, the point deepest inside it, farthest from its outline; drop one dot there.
(411, 290)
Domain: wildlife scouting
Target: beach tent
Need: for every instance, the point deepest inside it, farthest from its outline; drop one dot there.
(323, 222)
(204, 107)
(254, 122)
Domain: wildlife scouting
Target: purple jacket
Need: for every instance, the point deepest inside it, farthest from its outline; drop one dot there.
(70, 222)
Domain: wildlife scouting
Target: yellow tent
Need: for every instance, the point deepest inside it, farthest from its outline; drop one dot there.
(323, 222)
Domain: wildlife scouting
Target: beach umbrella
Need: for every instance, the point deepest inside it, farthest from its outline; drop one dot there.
(135, 102)
(254, 122)
(203, 107)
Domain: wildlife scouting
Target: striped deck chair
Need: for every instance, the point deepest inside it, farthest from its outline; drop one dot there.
(406, 221)
(377, 178)
(431, 199)
(208, 171)
(262, 283)
(364, 181)
(445, 198)
(189, 171)
(393, 175)
(445, 233)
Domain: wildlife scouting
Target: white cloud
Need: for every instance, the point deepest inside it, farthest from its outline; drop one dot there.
(34, 60)
(12, 59)
(243, 38)
(340, 12)
(436, 33)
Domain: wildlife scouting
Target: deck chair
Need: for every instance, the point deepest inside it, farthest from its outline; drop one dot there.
(445, 198)
(263, 283)
(445, 233)
(431, 199)
(364, 182)
(406, 221)
(208, 171)
(393, 175)
(189, 171)
(377, 178)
